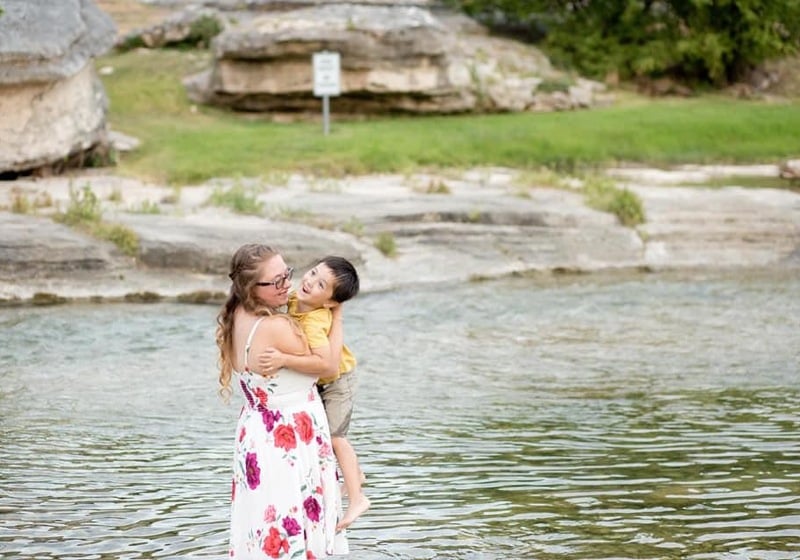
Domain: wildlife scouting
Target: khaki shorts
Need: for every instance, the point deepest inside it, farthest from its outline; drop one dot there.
(337, 396)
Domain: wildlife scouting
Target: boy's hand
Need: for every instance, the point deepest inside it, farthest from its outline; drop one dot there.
(270, 361)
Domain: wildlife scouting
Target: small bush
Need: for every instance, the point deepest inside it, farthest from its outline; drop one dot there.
(602, 194)
(124, 238)
(20, 204)
(554, 85)
(147, 207)
(438, 187)
(353, 226)
(386, 244)
(238, 199)
(83, 208)
(626, 206)
(203, 30)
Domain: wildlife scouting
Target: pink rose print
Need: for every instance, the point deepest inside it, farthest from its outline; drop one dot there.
(233, 490)
(291, 526)
(261, 395)
(273, 544)
(312, 508)
(304, 426)
(252, 470)
(269, 418)
(310, 555)
(325, 450)
(284, 437)
(269, 514)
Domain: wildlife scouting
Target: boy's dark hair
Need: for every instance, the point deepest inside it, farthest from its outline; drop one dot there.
(347, 284)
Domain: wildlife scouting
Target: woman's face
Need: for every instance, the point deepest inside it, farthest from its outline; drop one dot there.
(276, 280)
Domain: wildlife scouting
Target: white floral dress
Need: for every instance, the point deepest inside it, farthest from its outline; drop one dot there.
(285, 498)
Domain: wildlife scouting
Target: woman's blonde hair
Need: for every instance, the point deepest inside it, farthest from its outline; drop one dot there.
(244, 271)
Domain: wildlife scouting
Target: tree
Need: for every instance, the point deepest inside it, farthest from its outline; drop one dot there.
(705, 41)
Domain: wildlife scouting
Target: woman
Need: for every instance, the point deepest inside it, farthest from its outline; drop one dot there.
(285, 498)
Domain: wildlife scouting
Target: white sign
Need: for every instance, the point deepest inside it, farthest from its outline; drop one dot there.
(326, 74)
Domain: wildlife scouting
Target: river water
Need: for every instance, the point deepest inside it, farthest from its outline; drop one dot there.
(644, 416)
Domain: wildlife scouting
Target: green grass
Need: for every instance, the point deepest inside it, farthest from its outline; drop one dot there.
(84, 213)
(181, 145)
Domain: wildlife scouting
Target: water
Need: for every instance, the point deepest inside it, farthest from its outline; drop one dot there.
(577, 418)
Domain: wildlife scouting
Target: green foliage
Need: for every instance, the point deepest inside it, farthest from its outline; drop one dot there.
(83, 208)
(181, 146)
(353, 226)
(238, 198)
(84, 213)
(386, 244)
(131, 42)
(203, 30)
(554, 85)
(603, 194)
(147, 207)
(697, 41)
(20, 204)
(124, 238)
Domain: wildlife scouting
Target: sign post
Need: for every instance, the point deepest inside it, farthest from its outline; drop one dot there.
(326, 81)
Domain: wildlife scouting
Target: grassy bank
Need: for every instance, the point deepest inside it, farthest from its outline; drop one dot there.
(185, 144)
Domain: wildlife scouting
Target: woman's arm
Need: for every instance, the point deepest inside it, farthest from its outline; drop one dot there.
(323, 361)
(275, 333)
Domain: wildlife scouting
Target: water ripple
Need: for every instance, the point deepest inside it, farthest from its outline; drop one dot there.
(570, 419)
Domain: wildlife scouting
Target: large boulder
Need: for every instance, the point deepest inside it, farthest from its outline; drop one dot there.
(393, 58)
(52, 106)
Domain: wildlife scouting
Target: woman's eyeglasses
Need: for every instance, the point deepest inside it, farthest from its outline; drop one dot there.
(280, 281)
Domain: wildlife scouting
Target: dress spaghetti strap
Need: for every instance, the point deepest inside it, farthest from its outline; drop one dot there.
(250, 340)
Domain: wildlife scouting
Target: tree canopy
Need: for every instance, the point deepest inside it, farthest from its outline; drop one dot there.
(696, 41)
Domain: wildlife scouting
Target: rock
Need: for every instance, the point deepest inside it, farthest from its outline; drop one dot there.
(790, 169)
(45, 249)
(45, 41)
(204, 242)
(393, 58)
(489, 223)
(122, 142)
(51, 102)
(193, 25)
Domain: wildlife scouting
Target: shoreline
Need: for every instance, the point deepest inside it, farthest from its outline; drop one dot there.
(478, 224)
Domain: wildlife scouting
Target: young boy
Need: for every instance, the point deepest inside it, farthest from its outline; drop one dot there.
(316, 305)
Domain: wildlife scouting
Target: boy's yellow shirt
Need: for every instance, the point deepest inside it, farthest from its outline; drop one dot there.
(316, 325)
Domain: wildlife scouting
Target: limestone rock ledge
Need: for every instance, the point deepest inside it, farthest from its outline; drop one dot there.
(487, 225)
(393, 59)
(51, 103)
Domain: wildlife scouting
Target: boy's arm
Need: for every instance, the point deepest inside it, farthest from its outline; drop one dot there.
(336, 338)
(317, 363)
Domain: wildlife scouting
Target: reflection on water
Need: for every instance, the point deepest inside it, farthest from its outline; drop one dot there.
(644, 417)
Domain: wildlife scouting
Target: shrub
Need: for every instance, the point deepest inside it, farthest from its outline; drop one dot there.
(237, 198)
(83, 208)
(696, 41)
(602, 194)
(386, 244)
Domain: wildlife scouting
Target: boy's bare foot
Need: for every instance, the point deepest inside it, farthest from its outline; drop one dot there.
(354, 510)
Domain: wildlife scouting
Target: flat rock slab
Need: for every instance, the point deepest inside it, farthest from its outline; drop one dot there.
(480, 226)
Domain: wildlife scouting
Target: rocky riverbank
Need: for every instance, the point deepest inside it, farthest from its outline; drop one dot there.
(452, 227)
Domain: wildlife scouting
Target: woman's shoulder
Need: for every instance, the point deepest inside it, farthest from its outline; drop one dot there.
(279, 330)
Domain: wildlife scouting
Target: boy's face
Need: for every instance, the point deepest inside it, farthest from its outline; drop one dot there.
(316, 287)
